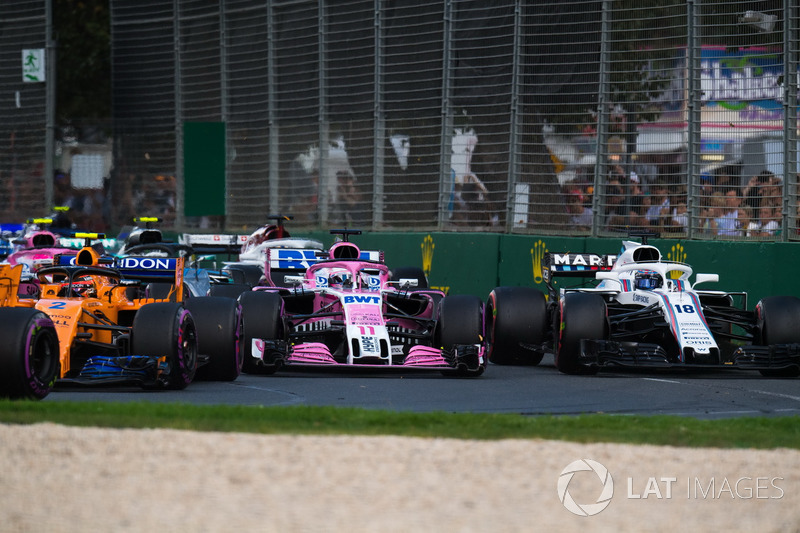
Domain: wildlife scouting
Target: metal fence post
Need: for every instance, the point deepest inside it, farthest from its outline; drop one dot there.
(379, 125)
(180, 181)
(324, 140)
(693, 66)
(600, 166)
(513, 138)
(274, 130)
(224, 104)
(50, 106)
(446, 146)
(790, 167)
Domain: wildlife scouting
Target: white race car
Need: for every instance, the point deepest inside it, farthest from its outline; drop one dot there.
(644, 311)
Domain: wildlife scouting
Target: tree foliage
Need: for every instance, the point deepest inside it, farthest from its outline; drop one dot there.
(83, 72)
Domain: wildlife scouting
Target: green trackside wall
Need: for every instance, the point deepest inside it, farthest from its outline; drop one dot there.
(475, 263)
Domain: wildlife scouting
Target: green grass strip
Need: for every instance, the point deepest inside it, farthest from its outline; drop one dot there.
(764, 433)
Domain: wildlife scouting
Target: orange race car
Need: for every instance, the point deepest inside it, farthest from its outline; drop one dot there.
(92, 323)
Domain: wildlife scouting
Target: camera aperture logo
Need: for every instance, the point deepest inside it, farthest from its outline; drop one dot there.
(586, 509)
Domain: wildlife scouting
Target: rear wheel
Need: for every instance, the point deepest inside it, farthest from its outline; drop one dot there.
(461, 322)
(583, 316)
(218, 324)
(516, 316)
(229, 290)
(261, 319)
(779, 323)
(29, 356)
(167, 329)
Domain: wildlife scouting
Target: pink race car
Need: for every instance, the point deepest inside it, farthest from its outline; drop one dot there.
(343, 311)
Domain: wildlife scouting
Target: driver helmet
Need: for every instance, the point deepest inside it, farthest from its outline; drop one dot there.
(82, 286)
(647, 280)
(340, 279)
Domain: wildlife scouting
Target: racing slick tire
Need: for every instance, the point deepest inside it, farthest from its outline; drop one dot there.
(777, 320)
(29, 355)
(515, 316)
(261, 319)
(461, 322)
(410, 273)
(167, 329)
(583, 316)
(218, 322)
(229, 290)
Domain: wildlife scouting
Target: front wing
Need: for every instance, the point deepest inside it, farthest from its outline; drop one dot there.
(605, 353)
(461, 358)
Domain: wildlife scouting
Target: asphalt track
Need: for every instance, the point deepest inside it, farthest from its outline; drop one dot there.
(530, 391)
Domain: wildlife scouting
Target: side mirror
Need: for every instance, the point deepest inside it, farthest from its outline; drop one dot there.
(294, 280)
(702, 278)
(613, 276)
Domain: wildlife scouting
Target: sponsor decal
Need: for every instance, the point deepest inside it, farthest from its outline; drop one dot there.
(537, 256)
(292, 259)
(362, 299)
(427, 254)
(638, 298)
(370, 345)
(147, 263)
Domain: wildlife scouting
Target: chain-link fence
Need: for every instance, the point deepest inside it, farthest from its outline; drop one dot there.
(24, 84)
(573, 118)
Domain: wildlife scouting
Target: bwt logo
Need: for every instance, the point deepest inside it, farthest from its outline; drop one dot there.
(362, 300)
(587, 509)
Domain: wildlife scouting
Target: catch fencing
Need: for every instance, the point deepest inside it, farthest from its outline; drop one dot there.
(587, 118)
(26, 133)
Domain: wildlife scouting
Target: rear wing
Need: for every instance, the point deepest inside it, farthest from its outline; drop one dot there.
(576, 265)
(282, 262)
(302, 259)
(10, 279)
(220, 243)
(154, 270)
(109, 245)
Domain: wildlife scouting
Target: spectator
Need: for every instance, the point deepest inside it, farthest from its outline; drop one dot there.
(659, 210)
(679, 220)
(771, 218)
(580, 214)
(754, 190)
(616, 209)
(729, 223)
(470, 200)
(709, 214)
(349, 200)
(637, 205)
(751, 221)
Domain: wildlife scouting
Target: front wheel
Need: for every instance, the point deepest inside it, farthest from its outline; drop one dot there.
(583, 316)
(261, 319)
(461, 323)
(516, 323)
(779, 323)
(166, 329)
(29, 355)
